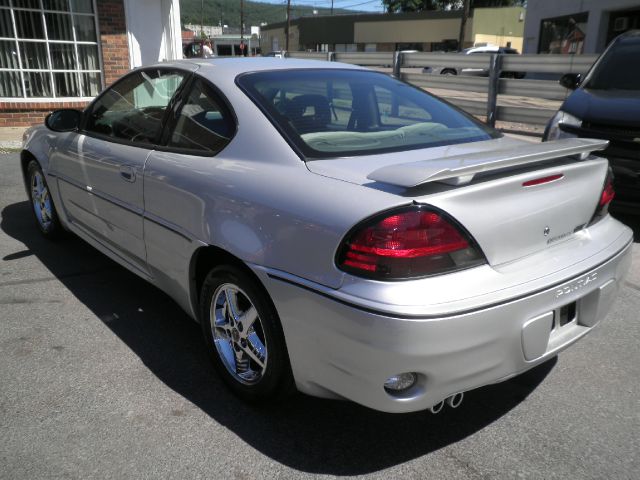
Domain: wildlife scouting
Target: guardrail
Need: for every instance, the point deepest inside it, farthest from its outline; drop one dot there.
(490, 67)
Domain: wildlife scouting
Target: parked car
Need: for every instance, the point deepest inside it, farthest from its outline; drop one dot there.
(193, 49)
(606, 104)
(477, 72)
(277, 54)
(334, 229)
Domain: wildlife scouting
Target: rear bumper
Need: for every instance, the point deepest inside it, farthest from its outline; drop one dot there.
(339, 349)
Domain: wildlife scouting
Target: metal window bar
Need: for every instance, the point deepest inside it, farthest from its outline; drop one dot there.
(78, 72)
(75, 49)
(49, 62)
(15, 36)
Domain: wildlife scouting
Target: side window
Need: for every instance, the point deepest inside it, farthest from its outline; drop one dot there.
(204, 123)
(133, 109)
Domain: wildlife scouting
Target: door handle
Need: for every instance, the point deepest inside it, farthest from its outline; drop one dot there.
(128, 173)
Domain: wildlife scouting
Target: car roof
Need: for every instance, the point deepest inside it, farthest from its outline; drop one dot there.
(631, 33)
(630, 36)
(211, 67)
(489, 49)
(483, 48)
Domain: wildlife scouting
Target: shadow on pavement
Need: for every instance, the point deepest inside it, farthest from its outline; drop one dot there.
(308, 434)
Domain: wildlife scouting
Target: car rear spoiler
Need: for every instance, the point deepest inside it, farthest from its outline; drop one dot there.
(460, 169)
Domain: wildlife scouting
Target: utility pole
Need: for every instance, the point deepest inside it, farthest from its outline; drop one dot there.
(331, 7)
(201, 18)
(242, 27)
(286, 40)
(463, 23)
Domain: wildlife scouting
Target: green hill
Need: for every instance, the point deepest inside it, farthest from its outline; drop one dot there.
(227, 12)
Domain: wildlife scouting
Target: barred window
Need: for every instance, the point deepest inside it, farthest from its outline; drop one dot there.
(49, 49)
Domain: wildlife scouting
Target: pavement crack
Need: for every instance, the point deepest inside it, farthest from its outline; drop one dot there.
(470, 469)
(57, 277)
(26, 282)
(19, 301)
(632, 285)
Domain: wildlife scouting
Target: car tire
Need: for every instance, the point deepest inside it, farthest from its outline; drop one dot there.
(244, 336)
(42, 205)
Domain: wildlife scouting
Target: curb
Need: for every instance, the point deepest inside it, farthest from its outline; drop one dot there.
(10, 146)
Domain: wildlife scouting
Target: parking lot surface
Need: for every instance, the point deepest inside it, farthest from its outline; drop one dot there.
(103, 376)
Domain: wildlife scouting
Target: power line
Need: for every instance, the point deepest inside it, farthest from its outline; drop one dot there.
(360, 4)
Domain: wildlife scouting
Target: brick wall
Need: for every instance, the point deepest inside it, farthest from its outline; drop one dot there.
(113, 38)
(115, 59)
(21, 114)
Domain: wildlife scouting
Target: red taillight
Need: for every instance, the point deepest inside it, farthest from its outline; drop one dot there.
(607, 193)
(606, 196)
(410, 243)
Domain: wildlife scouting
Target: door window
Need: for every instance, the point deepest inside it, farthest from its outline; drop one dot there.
(133, 109)
(204, 123)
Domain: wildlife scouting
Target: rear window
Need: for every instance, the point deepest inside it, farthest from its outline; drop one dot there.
(332, 113)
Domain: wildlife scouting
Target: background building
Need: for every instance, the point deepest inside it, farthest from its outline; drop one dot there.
(499, 26)
(61, 53)
(225, 41)
(423, 31)
(577, 26)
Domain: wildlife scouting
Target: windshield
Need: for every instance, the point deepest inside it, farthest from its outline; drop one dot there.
(330, 113)
(619, 68)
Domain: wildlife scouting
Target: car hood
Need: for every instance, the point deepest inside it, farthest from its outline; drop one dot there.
(616, 107)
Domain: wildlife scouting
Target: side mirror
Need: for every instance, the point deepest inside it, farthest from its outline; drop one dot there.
(63, 120)
(570, 80)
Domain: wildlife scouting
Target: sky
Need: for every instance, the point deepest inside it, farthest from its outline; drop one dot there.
(361, 5)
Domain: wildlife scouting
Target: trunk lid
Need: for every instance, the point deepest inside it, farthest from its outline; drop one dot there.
(514, 198)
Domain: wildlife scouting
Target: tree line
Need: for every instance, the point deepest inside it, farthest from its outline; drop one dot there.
(395, 6)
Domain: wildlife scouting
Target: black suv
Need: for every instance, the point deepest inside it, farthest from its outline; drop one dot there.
(606, 104)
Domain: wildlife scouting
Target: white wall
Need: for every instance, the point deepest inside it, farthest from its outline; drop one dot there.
(538, 10)
(154, 33)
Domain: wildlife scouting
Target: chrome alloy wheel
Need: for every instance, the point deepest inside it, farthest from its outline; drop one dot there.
(41, 201)
(238, 334)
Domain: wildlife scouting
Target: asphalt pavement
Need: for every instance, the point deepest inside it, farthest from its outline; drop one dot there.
(103, 376)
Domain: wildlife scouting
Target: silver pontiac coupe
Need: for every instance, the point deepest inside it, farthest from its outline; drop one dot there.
(336, 230)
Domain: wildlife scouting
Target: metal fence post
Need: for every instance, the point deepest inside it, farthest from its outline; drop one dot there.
(397, 64)
(495, 68)
(397, 73)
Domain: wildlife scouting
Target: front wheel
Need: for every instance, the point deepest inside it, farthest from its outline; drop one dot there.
(43, 208)
(244, 336)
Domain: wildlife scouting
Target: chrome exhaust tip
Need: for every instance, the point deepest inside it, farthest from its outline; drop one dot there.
(437, 407)
(455, 400)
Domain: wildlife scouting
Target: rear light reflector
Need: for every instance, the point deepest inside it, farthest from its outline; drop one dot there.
(408, 243)
(540, 181)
